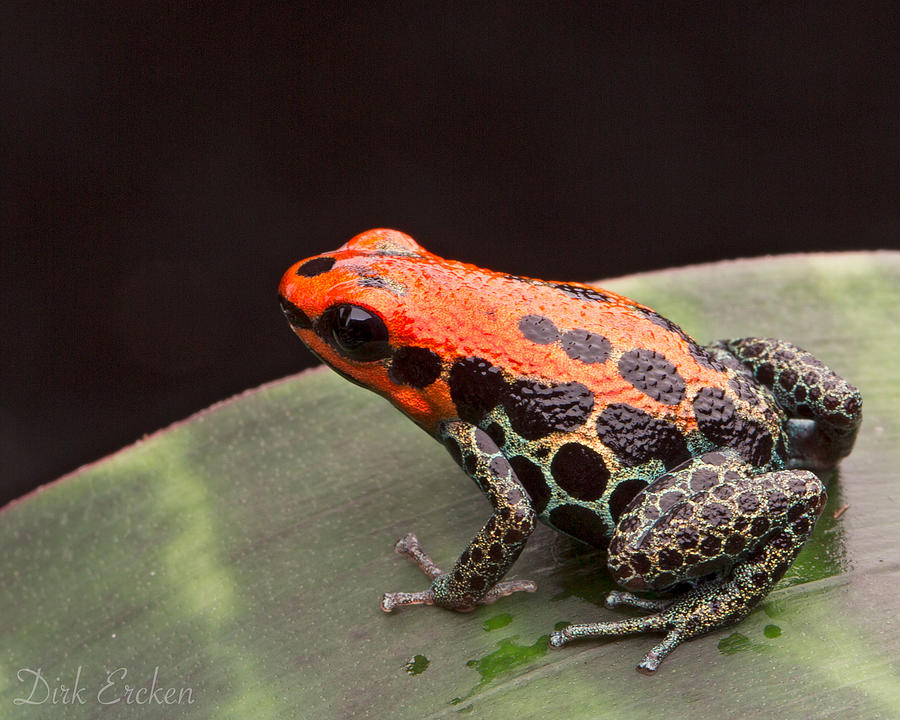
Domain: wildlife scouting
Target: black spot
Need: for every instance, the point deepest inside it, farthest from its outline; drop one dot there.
(797, 483)
(484, 442)
(687, 537)
(536, 410)
(765, 373)
(580, 471)
(781, 541)
(652, 374)
(640, 563)
(735, 544)
(713, 458)
(748, 503)
(623, 494)
(499, 467)
(586, 346)
(759, 526)
(581, 293)
(495, 552)
(716, 514)
(669, 499)
(417, 367)
(799, 393)
(723, 492)
(495, 433)
(636, 436)
(778, 501)
(295, 316)
(703, 479)
(718, 420)
(801, 527)
(539, 329)
(670, 559)
(316, 266)
(579, 522)
(471, 464)
(532, 479)
(453, 448)
(710, 545)
(475, 387)
(787, 379)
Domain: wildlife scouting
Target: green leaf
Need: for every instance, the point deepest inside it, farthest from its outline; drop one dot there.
(241, 555)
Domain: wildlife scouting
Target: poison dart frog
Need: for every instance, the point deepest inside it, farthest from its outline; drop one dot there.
(569, 404)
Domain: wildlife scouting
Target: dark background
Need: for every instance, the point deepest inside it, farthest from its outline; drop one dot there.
(162, 165)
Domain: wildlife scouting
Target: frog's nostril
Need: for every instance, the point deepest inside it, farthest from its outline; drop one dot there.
(316, 266)
(295, 316)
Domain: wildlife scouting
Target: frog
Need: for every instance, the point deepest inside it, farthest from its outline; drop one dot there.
(692, 468)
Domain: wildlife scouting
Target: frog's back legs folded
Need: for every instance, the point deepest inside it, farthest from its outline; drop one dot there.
(825, 409)
(715, 526)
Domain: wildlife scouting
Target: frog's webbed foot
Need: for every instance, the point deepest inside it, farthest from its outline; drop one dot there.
(409, 545)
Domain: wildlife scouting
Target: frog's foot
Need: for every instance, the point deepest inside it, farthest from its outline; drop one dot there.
(410, 546)
(632, 626)
(714, 524)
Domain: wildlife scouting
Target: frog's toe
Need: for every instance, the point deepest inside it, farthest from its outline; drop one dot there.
(618, 598)
(410, 546)
(392, 600)
(508, 587)
(657, 654)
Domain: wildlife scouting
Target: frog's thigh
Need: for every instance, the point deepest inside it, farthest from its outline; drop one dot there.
(707, 516)
(826, 410)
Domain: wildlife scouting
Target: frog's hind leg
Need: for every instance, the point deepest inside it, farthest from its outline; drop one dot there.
(713, 524)
(825, 409)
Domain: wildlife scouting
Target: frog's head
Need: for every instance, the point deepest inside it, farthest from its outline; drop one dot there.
(353, 309)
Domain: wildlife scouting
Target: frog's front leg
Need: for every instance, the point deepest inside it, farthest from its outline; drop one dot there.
(475, 578)
(713, 524)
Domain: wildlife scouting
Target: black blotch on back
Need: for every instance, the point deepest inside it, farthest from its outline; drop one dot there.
(580, 471)
(295, 316)
(718, 420)
(636, 436)
(586, 346)
(536, 410)
(475, 387)
(417, 367)
(316, 266)
(652, 374)
(581, 523)
(532, 479)
(538, 329)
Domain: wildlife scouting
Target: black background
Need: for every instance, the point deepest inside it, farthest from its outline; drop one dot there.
(163, 164)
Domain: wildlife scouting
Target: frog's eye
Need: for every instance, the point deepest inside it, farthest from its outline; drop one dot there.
(355, 332)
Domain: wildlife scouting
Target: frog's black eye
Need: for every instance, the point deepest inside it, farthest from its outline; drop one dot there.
(355, 332)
